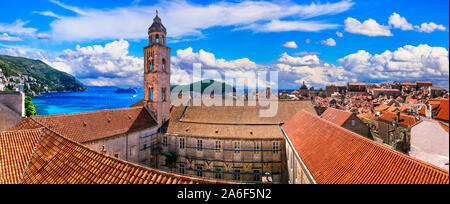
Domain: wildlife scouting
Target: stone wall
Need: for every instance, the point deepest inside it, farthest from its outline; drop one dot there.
(12, 109)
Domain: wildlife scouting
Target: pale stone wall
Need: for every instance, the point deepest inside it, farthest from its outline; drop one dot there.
(12, 109)
(357, 126)
(247, 161)
(430, 143)
(14, 100)
(133, 147)
(295, 169)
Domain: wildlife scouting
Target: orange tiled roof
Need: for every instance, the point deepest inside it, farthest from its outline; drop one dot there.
(444, 126)
(440, 107)
(381, 108)
(16, 148)
(334, 155)
(54, 159)
(336, 116)
(89, 126)
(405, 120)
(424, 82)
(369, 116)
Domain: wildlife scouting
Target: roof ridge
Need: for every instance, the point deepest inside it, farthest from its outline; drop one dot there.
(32, 155)
(380, 145)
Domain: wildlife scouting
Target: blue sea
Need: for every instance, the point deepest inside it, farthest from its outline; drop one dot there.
(96, 98)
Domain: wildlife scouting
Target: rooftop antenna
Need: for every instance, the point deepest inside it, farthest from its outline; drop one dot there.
(156, 11)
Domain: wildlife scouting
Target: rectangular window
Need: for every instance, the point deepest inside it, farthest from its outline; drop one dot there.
(163, 94)
(276, 147)
(199, 171)
(218, 173)
(256, 175)
(181, 143)
(181, 169)
(199, 145)
(150, 94)
(237, 174)
(218, 146)
(353, 123)
(237, 147)
(132, 150)
(257, 148)
(165, 141)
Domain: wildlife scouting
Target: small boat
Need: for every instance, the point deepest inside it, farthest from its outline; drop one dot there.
(120, 91)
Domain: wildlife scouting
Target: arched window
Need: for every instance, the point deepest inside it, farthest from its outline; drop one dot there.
(163, 65)
(150, 65)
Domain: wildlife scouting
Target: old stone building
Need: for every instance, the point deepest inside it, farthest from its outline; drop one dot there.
(394, 129)
(347, 120)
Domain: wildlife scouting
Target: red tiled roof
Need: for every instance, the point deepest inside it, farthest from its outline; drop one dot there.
(89, 126)
(54, 159)
(338, 117)
(405, 120)
(16, 148)
(334, 155)
(444, 126)
(424, 82)
(440, 107)
(369, 116)
(408, 84)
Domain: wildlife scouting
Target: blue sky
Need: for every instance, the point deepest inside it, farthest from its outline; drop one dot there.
(100, 42)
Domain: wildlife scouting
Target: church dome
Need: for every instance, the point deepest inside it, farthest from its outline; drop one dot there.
(157, 26)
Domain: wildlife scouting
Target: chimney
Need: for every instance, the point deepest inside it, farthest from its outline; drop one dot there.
(428, 110)
(397, 119)
(103, 151)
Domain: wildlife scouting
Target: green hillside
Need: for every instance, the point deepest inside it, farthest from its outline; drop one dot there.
(42, 76)
(205, 84)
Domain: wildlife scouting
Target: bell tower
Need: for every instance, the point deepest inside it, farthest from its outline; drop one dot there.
(157, 72)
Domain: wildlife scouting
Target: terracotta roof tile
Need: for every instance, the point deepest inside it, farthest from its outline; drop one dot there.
(89, 126)
(54, 159)
(335, 155)
(405, 120)
(16, 148)
(336, 116)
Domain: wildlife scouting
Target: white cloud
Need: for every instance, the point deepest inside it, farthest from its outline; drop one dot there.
(6, 37)
(339, 34)
(47, 13)
(304, 53)
(429, 27)
(369, 27)
(183, 18)
(399, 22)
(405, 63)
(17, 28)
(329, 42)
(299, 61)
(43, 36)
(101, 65)
(291, 44)
(277, 26)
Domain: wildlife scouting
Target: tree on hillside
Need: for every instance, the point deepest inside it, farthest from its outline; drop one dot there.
(30, 109)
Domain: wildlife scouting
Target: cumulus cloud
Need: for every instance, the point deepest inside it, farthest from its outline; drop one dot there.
(399, 22)
(101, 65)
(299, 61)
(291, 44)
(369, 27)
(183, 18)
(17, 28)
(405, 63)
(430, 27)
(329, 42)
(339, 34)
(6, 37)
